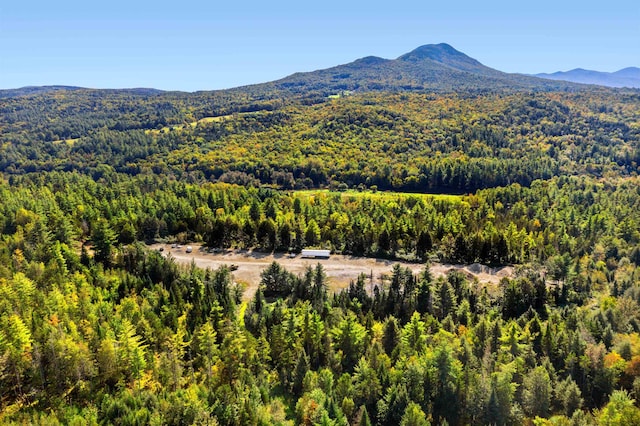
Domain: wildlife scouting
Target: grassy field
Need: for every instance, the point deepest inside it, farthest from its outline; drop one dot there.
(69, 142)
(380, 195)
(192, 124)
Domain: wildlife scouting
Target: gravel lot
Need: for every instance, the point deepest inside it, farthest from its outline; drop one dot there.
(340, 270)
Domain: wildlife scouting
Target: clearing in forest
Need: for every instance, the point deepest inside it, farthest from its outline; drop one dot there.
(340, 269)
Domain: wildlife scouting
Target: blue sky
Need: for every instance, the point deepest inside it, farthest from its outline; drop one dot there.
(202, 45)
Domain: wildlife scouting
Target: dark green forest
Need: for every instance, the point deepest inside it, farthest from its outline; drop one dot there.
(95, 328)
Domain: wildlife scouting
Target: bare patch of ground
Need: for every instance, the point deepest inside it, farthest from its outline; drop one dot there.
(340, 269)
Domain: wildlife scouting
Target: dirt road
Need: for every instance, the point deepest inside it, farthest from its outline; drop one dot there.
(340, 270)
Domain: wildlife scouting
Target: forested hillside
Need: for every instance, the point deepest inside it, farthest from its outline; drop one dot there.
(407, 142)
(97, 329)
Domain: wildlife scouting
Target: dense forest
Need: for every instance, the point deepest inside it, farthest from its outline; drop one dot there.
(118, 334)
(404, 142)
(95, 328)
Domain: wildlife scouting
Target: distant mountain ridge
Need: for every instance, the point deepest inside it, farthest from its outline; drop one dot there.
(626, 77)
(428, 68)
(432, 67)
(37, 90)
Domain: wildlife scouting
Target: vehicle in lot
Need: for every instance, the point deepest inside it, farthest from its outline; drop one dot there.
(189, 249)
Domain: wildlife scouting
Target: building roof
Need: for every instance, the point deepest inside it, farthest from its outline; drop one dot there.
(316, 253)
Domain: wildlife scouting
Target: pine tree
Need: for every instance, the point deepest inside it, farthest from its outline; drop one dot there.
(364, 417)
(302, 367)
(103, 238)
(414, 416)
(536, 395)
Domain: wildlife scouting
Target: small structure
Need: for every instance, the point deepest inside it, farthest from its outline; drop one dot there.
(315, 254)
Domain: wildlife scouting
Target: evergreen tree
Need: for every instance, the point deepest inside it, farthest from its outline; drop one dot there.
(103, 238)
(536, 395)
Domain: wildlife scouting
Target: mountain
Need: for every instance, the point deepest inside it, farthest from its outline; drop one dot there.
(37, 90)
(627, 77)
(34, 90)
(432, 67)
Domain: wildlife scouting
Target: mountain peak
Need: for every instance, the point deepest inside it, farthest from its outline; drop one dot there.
(370, 60)
(445, 54)
(633, 72)
(442, 53)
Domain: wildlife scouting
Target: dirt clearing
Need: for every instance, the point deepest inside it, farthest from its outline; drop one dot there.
(340, 269)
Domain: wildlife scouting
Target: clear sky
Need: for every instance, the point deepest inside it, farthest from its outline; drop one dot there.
(202, 45)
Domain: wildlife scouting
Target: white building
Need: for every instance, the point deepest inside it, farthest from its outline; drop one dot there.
(315, 254)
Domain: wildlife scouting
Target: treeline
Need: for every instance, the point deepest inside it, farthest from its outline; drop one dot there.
(557, 221)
